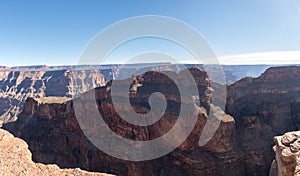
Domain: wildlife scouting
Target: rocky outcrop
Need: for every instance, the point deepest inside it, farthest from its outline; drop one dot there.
(15, 159)
(54, 135)
(17, 86)
(287, 149)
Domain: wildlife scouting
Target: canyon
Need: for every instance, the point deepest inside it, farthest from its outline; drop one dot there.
(54, 135)
(19, 83)
(257, 109)
(17, 86)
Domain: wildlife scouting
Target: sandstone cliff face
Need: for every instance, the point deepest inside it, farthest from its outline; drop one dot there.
(54, 135)
(17, 86)
(264, 107)
(15, 159)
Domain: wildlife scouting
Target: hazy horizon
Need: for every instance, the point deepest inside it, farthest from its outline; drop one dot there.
(266, 58)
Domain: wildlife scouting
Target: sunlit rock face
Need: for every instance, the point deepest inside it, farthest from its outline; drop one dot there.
(17, 86)
(287, 149)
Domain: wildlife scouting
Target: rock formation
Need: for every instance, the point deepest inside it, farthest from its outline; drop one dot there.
(258, 108)
(287, 149)
(54, 135)
(19, 83)
(15, 159)
(264, 107)
(17, 86)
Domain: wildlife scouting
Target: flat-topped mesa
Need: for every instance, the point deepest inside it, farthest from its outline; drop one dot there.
(49, 108)
(50, 100)
(17, 86)
(55, 136)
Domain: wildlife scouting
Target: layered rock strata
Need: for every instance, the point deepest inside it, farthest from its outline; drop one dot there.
(55, 136)
(17, 86)
(264, 107)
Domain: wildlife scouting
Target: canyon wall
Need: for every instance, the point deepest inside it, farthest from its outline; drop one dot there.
(264, 107)
(17, 86)
(258, 108)
(54, 135)
(19, 83)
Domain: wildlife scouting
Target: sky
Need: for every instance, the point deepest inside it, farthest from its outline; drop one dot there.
(55, 32)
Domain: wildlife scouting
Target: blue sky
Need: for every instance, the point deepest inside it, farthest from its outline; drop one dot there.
(55, 32)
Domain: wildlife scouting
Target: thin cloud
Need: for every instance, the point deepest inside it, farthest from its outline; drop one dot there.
(278, 57)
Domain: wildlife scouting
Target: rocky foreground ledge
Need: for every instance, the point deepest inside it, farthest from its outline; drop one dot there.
(287, 149)
(15, 159)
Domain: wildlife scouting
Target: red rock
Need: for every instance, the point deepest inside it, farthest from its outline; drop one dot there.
(54, 136)
(15, 159)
